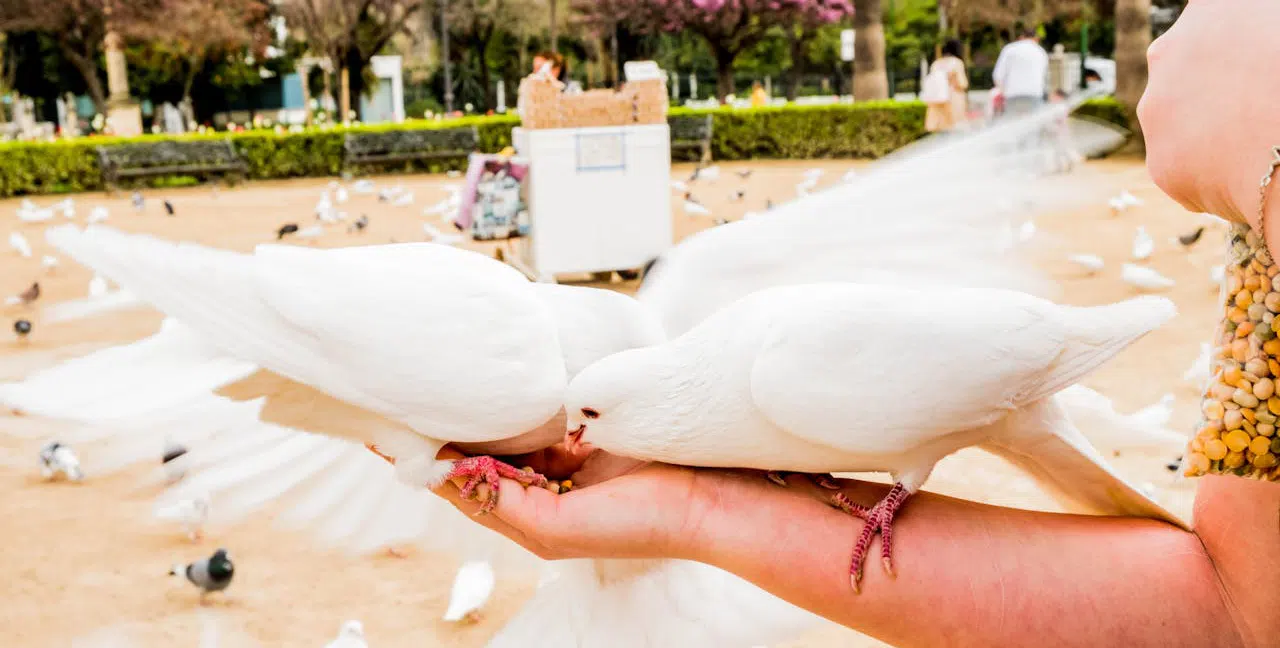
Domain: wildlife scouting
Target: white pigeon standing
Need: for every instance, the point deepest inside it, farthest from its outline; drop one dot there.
(1129, 199)
(1144, 278)
(1090, 262)
(362, 186)
(98, 286)
(340, 195)
(59, 459)
(190, 512)
(472, 587)
(29, 213)
(19, 244)
(440, 237)
(1143, 244)
(811, 378)
(67, 207)
(351, 635)
(403, 200)
(680, 186)
(98, 214)
(324, 208)
(710, 174)
(1198, 373)
(693, 209)
(310, 232)
(49, 263)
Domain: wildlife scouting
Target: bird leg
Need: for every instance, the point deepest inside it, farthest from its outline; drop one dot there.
(374, 449)
(490, 472)
(879, 518)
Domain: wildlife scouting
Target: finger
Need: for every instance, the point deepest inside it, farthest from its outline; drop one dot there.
(450, 493)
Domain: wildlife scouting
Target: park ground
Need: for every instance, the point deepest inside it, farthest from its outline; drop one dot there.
(79, 558)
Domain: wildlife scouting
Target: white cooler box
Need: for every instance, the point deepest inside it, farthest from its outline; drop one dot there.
(599, 198)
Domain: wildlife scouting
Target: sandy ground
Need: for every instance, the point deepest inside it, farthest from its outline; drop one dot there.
(78, 558)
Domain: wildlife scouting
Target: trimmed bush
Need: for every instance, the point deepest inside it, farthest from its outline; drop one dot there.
(868, 130)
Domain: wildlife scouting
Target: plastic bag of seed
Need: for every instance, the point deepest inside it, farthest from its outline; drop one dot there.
(1237, 434)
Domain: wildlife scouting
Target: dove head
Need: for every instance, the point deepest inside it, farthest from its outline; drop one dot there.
(619, 402)
(353, 629)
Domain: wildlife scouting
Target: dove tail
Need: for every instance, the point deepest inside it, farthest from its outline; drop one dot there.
(78, 309)
(636, 604)
(1042, 440)
(1095, 335)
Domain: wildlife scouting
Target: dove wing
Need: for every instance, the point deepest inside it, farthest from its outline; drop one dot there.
(419, 333)
(843, 365)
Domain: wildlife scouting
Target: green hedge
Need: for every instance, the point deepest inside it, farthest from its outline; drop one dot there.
(868, 130)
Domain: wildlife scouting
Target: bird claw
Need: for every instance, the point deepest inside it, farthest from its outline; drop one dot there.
(879, 519)
(490, 472)
(778, 477)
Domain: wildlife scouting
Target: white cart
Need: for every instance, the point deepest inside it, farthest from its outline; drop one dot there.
(599, 199)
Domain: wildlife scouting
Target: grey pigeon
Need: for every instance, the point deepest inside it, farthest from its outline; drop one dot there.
(168, 207)
(138, 203)
(22, 328)
(286, 229)
(213, 574)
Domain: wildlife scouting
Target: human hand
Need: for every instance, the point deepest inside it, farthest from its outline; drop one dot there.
(623, 508)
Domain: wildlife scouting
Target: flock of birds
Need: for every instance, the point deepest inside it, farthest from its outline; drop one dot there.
(269, 379)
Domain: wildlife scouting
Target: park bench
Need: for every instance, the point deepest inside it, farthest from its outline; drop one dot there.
(200, 158)
(409, 145)
(691, 133)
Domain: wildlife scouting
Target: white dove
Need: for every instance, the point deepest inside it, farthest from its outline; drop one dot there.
(98, 214)
(1143, 244)
(403, 200)
(1147, 429)
(29, 213)
(472, 587)
(710, 174)
(191, 513)
(811, 379)
(324, 326)
(19, 244)
(1129, 199)
(340, 195)
(98, 286)
(362, 186)
(324, 208)
(1091, 262)
(49, 262)
(351, 635)
(440, 237)
(695, 209)
(1198, 373)
(679, 186)
(67, 206)
(310, 232)
(1144, 278)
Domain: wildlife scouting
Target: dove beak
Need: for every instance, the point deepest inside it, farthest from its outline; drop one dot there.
(573, 439)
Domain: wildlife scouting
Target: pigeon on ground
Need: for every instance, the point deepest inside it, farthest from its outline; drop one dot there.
(359, 224)
(1143, 244)
(58, 459)
(174, 470)
(693, 208)
(744, 173)
(738, 195)
(310, 232)
(29, 213)
(340, 195)
(362, 186)
(285, 230)
(324, 209)
(351, 635)
(49, 263)
(710, 174)
(1198, 373)
(22, 328)
(98, 214)
(168, 208)
(1090, 262)
(212, 574)
(403, 200)
(472, 587)
(808, 379)
(67, 206)
(1123, 202)
(191, 513)
(1144, 278)
(19, 244)
(1190, 238)
(436, 236)
(388, 194)
(25, 297)
(98, 286)
(680, 186)
(138, 202)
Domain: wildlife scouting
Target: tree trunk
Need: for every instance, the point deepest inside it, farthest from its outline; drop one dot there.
(194, 64)
(86, 65)
(1133, 37)
(554, 32)
(486, 81)
(796, 71)
(724, 71)
(344, 90)
(870, 81)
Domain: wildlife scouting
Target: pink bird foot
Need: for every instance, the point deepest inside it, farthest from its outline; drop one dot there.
(489, 471)
(879, 519)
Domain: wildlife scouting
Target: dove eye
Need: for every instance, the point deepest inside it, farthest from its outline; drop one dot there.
(590, 413)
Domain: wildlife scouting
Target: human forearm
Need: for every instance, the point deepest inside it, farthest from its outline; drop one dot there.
(971, 574)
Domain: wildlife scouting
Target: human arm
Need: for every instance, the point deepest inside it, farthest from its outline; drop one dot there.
(960, 80)
(1001, 69)
(967, 573)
